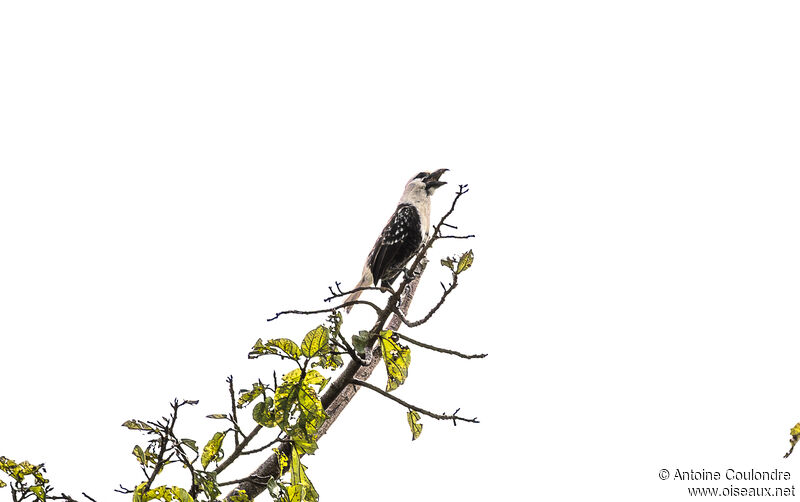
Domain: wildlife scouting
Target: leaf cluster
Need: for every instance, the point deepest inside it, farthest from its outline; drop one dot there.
(27, 479)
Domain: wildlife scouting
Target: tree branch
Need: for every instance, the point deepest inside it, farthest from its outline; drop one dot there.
(325, 311)
(396, 399)
(439, 349)
(238, 451)
(340, 293)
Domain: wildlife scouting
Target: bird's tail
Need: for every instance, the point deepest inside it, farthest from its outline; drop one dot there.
(365, 281)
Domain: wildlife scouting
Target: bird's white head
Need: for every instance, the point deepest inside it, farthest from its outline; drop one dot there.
(420, 188)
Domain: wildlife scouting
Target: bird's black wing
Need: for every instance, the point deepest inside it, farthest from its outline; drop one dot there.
(399, 240)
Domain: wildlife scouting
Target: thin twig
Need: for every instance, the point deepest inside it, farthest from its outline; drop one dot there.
(439, 349)
(334, 295)
(262, 448)
(396, 399)
(445, 294)
(233, 412)
(470, 236)
(322, 311)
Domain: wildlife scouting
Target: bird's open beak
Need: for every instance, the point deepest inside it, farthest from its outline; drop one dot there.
(432, 180)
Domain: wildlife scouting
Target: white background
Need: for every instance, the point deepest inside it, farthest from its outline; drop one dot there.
(173, 173)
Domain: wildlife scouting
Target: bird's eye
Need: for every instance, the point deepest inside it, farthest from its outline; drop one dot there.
(420, 175)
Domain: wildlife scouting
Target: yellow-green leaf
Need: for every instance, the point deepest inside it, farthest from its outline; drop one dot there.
(211, 451)
(283, 461)
(314, 377)
(315, 342)
(795, 432)
(397, 359)
(191, 443)
(465, 262)
(287, 346)
(239, 496)
(413, 423)
(139, 454)
(299, 477)
(297, 493)
(137, 425)
(38, 490)
(306, 447)
(249, 396)
(293, 376)
(263, 414)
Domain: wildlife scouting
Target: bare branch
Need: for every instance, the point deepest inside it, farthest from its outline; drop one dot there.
(233, 412)
(340, 293)
(123, 490)
(445, 294)
(470, 236)
(278, 439)
(396, 399)
(439, 349)
(323, 311)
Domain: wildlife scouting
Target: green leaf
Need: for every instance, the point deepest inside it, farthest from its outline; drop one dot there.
(138, 492)
(315, 342)
(191, 443)
(208, 483)
(2, 484)
(293, 376)
(297, 493)
(239, 496)
(139, 454)
(218, 416)
(305, 447)
(259, 349)
(360, 341)
(285, 399)
(283, 461)
(287, 346)
(795, 432)
(447, 262)
(280, 346)
(274, 487)
(465, 261)
(137, 425)
(165, 493)
(314, 377)
(211, 451)
(38, 490)
(397, 359)
(181, 495)
(262, 413)
(413, 423)
(329, 361)
(299, 477)
(249, 396)
(312, 414)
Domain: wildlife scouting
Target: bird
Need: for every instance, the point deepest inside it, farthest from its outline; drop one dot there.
(403, 234)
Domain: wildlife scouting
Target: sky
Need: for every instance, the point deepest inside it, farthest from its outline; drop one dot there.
(174, 173)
